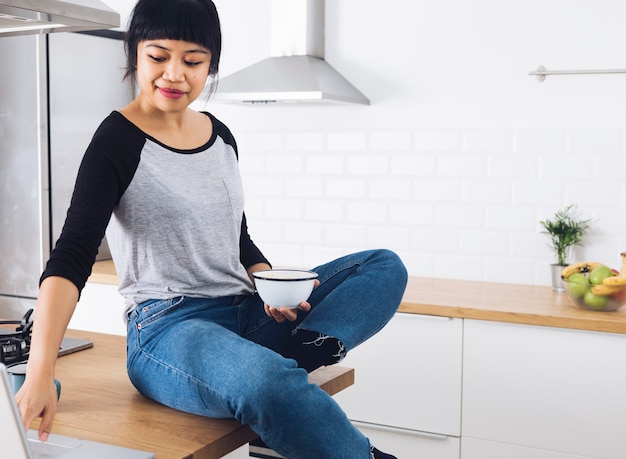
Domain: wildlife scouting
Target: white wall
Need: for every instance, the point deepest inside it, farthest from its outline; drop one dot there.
(460, 153)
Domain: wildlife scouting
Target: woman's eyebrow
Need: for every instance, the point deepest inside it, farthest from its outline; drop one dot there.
(189, 51)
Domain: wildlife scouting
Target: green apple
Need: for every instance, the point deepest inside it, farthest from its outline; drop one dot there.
(597, 275)
(595, 301)
(577, 285)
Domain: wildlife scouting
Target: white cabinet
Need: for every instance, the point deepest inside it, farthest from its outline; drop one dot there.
(408, 377)
(548, 389)
(473, 448)
(100, 309)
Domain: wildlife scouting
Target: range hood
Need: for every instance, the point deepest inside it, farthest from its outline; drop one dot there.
(27, 17)
(296, 71)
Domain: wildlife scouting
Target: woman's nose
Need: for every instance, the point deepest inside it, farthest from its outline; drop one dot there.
(174, 72)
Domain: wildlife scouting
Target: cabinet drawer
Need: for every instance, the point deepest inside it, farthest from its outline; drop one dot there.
(546, 388)
(408, 375)
(406, 444)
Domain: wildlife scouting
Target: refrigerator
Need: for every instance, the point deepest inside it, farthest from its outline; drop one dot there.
(54, 92)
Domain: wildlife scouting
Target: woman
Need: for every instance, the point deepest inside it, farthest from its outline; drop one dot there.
(199, 337)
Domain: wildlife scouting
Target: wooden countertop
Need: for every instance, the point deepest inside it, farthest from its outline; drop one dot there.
(99, 403)
(514, 303)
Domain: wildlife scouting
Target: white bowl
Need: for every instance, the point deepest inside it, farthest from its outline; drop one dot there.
(284, 287)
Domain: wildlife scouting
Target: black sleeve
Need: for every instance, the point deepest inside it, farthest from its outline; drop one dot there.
(249, 253)
(104, 174)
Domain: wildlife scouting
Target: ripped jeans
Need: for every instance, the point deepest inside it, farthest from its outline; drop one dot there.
(221, 357)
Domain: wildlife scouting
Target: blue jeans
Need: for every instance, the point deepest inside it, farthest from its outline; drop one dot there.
(219, 357)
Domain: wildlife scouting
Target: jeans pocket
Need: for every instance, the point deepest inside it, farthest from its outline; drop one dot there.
(151, 311)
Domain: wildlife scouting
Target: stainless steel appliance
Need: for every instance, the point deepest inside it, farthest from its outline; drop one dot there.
(55, 91)
(18, 17)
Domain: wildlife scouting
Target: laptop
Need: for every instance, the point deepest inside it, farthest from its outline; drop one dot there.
(18, 444)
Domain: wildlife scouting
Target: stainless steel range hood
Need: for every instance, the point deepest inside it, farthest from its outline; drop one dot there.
(296, 70)
(24, 17)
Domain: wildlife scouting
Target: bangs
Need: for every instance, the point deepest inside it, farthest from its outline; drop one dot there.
(181, 20)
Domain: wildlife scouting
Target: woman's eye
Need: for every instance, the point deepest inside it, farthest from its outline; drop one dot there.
(157, 59)
(192, 64)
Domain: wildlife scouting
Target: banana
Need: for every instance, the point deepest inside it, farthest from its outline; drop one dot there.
(582, 267)
(604, 289)
(615, 280)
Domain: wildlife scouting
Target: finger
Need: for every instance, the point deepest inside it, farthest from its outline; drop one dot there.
(274, 313)
(304, 306)
(289, 313)
(46, 426)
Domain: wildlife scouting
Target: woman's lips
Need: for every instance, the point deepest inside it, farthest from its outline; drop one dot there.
(171, 93)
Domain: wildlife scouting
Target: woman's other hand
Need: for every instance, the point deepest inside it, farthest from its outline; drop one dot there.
(38, 399)
(282, 313)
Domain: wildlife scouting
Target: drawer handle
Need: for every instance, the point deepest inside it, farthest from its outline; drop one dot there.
(418, 433)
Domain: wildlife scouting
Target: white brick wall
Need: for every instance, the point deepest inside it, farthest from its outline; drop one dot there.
(460, 154)
(462, 203)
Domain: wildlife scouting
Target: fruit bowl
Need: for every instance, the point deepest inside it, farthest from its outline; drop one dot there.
(594, 297)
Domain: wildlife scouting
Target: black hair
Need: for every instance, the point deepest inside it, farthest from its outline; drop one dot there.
(194, 21)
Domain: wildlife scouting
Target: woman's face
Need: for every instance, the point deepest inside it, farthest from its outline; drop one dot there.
(171, 73)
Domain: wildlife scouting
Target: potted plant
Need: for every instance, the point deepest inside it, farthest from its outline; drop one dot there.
(564, 231)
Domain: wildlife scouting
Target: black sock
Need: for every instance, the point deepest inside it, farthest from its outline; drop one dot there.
(380, 455)
(312, 349)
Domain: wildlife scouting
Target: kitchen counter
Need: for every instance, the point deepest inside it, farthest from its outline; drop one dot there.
(513, 303)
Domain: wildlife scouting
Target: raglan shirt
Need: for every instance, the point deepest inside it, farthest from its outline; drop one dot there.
(174, 219)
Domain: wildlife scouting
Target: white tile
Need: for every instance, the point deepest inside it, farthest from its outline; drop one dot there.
(486, 191)
(417, 164)
(460, 216)
(610, 167)
(390, 141)
(304, 141)
(367, 164)
(456, 266)
(344, 235)
(595, 141)
(284, 165)
(367, 211)
(303, 187)
(511, 218)
(435, 240)
(332, 210)
(543, 141)
(391, 237)
(509, 270)
(488, 140)
(346, 188)
(437, 141)
(547, 192)
(566, 167)
(436, 190)
(512, 166)
(303, 232)
(387, 188)
(462, 165)
(411, 214)
(347, 141)
(284, 209)
(325, 164)
(270, 142)
(484, 242)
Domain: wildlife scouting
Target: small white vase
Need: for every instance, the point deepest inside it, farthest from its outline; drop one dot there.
(557, 282)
